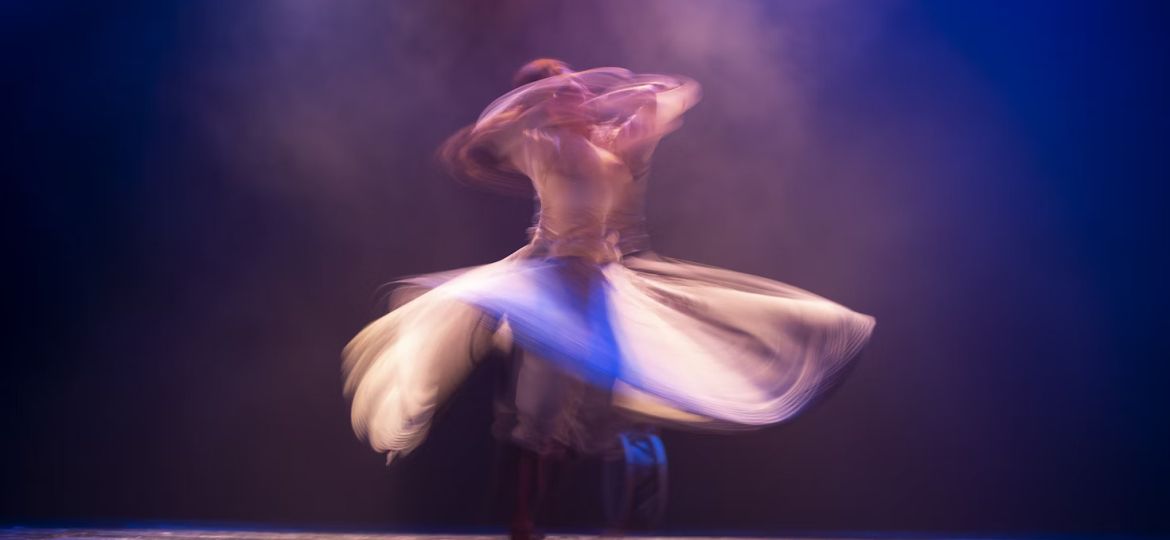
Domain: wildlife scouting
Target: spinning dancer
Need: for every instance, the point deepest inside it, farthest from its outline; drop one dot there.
(604, 333)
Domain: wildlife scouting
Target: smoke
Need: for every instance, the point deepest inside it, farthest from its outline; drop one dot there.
(337, 108)
(841, 146)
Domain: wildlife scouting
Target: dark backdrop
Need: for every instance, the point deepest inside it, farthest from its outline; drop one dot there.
(202, 199)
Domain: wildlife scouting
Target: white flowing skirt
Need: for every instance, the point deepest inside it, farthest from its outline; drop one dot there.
(664, 341)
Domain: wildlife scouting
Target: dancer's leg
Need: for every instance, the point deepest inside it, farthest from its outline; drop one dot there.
(522, 527)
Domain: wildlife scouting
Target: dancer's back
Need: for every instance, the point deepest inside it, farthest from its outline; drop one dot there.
(585, 140)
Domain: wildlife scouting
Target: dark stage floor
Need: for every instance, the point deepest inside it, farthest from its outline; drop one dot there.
(185, 534)
(196, 534)
(188, 534)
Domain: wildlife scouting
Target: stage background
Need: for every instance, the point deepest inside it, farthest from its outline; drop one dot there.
(202, 199)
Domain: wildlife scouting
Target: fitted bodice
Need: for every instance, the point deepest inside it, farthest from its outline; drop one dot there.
(589, 203)
(585, 141)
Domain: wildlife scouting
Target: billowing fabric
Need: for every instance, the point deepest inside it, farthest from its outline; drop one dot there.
(607, 333)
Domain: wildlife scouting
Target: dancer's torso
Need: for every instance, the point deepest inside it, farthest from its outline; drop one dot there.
(590, 201)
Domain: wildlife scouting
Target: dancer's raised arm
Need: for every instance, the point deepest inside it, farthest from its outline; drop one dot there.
(638, 114)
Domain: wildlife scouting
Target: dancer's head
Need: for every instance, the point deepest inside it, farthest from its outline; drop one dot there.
(468, 159)
(538, 69)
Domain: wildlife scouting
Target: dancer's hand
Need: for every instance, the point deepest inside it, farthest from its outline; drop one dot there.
(566, 112)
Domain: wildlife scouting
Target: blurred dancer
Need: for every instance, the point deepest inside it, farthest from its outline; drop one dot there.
(603, 332)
